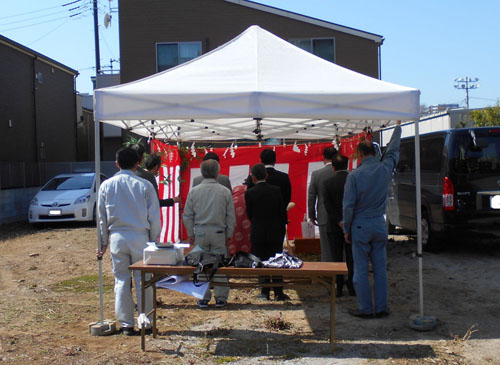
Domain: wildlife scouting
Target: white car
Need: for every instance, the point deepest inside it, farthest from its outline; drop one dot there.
(66, 197)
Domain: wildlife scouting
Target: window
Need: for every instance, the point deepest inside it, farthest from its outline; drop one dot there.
(321, 47)
(169, 55)
(477, 156)
(431, 154)
(406, 157)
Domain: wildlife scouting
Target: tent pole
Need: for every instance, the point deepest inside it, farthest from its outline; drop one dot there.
(420, 322)
(97, 136)
(418, 203)
(101, 328)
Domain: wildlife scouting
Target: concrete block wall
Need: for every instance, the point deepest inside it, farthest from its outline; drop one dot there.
(15, 203)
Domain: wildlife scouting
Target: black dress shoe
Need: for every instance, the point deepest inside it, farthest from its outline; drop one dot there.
(359, 314)
(281, 297)
(128, 331)
(382, 314)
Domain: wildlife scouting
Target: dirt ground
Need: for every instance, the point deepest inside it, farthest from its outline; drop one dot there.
(49, 295)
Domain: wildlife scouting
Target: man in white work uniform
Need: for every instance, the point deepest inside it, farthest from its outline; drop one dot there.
(129, 217)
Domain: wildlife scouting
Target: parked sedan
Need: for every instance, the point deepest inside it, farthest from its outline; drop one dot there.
(66, 197)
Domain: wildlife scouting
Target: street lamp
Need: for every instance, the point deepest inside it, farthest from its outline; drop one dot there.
(466, 83)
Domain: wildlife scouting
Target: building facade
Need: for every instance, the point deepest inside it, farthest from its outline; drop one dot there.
(37, 106)
(156, 35)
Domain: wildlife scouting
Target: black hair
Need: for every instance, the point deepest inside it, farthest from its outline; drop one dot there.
(329, 153)
(126, 158)
(340, 162)
(366, 148)
(211, 156)
(268, 157)
(259, 171)
(139, 150)
(152, 161)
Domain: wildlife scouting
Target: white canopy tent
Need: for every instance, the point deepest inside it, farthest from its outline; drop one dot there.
(257, 86)
(217, 96)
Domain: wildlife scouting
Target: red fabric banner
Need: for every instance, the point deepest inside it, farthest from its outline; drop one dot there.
(298, 160)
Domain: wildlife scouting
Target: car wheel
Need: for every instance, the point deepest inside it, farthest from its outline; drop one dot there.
(429, 244)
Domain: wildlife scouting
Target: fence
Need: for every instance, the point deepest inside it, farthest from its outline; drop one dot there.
(15, 175)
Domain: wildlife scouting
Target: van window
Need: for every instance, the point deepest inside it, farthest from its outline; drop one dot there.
(406, 157)
(431, 154)
(479, 155)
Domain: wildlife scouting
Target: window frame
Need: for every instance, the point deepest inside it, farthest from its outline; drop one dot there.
(317, 38)
(157, 44)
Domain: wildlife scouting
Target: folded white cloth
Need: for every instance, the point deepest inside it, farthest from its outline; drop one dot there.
(143, 320)
(283, 260)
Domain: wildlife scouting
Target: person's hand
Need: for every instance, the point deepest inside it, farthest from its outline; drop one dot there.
(313, 221)
(347, 237)
(178, 199)
(101, 253)
(191, 241)
(341, 224)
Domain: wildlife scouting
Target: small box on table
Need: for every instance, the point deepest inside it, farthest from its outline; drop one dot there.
(173, 255)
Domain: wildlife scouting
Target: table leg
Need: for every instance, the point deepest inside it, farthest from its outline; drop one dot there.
(332, 314)
(154, 305)
(143, 306)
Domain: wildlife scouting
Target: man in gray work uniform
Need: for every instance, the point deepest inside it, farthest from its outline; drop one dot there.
(209, 220)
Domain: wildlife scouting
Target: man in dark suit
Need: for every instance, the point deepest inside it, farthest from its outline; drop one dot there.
(277, 178)
(151, 176)
(221, 179)
(316, 206)
(334, 192)
(264, 207)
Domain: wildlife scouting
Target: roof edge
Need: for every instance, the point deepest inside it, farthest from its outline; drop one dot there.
(28, 51)
(307, 19)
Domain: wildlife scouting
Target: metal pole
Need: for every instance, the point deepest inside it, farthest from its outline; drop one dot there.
(467, 92)
(96, 40)
(419, 322)
(418, 199)
(97, 186)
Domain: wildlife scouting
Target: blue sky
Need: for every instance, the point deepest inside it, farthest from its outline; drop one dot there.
(427, 43)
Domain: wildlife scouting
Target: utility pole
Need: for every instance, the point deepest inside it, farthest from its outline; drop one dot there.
(96, 39)
(466, 83)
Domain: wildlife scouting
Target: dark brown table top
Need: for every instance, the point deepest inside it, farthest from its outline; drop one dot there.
(308, 269)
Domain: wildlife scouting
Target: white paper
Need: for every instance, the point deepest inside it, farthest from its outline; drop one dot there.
(183, 284)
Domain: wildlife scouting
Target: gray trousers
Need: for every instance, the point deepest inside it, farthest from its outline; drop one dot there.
(326, 243)
(127, 248)
(213, 239)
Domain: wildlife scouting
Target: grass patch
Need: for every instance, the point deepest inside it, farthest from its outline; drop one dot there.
(84, 284)
(225, 359)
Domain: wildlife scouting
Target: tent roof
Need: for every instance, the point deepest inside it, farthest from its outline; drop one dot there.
(217, 96)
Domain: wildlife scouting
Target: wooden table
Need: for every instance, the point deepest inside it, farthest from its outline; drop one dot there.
(311, 273)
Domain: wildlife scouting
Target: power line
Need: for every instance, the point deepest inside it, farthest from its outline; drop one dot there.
(46, 21)
(39, 10)
(40, 16)
(49, 32)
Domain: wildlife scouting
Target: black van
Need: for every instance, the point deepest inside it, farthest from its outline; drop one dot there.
(460, 180)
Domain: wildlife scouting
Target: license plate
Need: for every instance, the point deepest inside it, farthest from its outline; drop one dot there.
(495, 202)
(55, 212)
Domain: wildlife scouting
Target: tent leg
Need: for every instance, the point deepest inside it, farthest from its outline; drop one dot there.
(420, 322)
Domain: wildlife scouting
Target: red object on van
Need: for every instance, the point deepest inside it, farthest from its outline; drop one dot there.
(448, 201)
